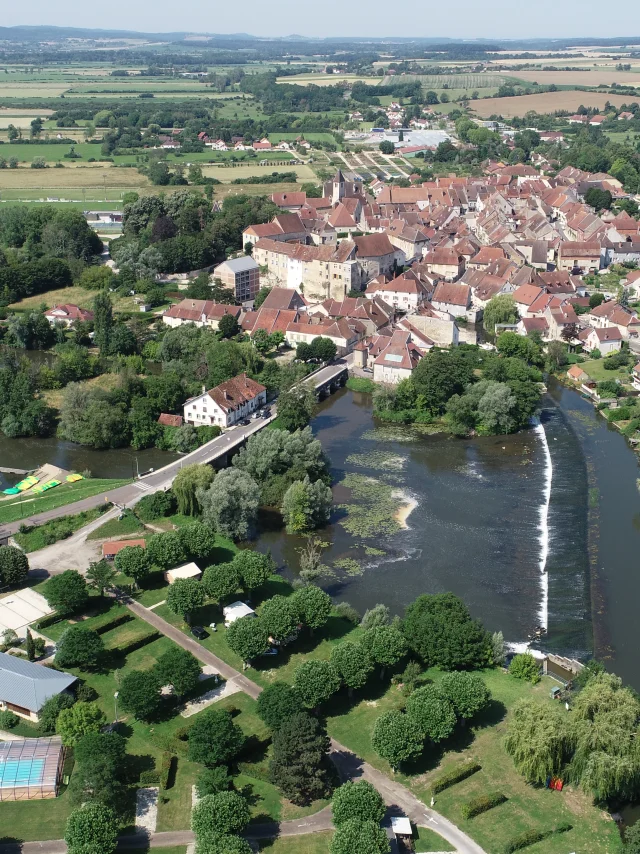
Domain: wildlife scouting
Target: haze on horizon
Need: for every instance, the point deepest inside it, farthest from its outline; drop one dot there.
(467, 20)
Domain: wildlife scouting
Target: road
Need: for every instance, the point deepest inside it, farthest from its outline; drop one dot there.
(163, 478)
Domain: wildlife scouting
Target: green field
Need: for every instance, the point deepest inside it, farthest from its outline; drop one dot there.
(463, 81)
(13, 508)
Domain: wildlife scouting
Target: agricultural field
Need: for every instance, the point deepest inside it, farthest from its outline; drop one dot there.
(548, 102)
(327, 79)
(463, 81)
(291, 137)
(73, 294)
(20, 118)
(579, 77)
(226, 174)
(53, 181)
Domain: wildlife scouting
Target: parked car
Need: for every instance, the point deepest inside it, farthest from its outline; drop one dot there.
(266, 413)
(198, 632)
(245, 421)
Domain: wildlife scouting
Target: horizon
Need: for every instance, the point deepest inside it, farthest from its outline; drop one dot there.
(495, 21)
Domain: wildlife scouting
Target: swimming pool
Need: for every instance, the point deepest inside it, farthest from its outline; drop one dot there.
(21, 772)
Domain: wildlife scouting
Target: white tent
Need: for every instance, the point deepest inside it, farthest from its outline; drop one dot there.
(187, 570)
(235, 611)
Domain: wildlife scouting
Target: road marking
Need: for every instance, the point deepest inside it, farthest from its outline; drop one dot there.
(143, 486)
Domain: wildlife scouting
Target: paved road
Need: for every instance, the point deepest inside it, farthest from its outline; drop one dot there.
(163, 478)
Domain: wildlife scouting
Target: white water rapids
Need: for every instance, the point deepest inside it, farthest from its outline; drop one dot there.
(543, 527)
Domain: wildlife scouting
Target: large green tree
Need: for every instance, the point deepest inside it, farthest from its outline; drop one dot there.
(79, 647)
(103, 323)
(353, 663)
(78, 720)
(433, 712)
(278, 702)
(397, 738)
(360, 801)
(316, 681)
(537, 739)
(500, 309)
(312, 606)
(248, 637)
(230, 504)
(186, 484)
(299, 765)
(254, 568)
(441, 631)
(222, 813)
(221, 580)
(134, 562)
(360, 837)
(92, 829)
(306, 505)
(179, 668)
(440, 375)
(66, 593)
(386, 645)
(214, 738)
(466, 692)
(140, 694)
(280, 617)
(296, 406)
(184, 596)
(14, 566)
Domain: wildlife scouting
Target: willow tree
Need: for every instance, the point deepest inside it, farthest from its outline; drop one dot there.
(537, 739)
(187, 481)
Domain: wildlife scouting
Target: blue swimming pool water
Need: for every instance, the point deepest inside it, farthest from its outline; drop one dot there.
(22, 772)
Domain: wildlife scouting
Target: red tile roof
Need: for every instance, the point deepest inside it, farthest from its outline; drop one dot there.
(231, 394)
(116, 546)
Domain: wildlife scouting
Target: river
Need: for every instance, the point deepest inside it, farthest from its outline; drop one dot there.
(489, 514)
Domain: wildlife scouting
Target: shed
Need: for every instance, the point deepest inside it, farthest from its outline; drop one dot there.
(25, 686)
(401, 826)
(187, 570)
(111, 549)
(561, 669)
(235, 611)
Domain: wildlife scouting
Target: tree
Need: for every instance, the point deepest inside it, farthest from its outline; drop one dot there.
(99, 769)
(357, 801)
(312, 606)
(498, 651)
(228, 326)
(279, 617)
(557, 354)
(433, 712)
(67, 592)
(14, 566)
(379, 615)
(323, 349)
(397, 738)
(386, 646)
(140, 694)
(184, 596)
(248, 637)
(467, 693)
(596, 299)
(198, 540)
(222, 813)
(441, 631)
(79, 647)
(296, 407)
(353, 663)
(30, 647)
(537, 739)
(187, 482)
(359, 837)
(299, 766)
(440, 375)
(92, 829)
(500, 309)
(387, 147)
(213, 780)
(100, 576)
(254, 568)
(303, 351)
(49, 712)
(306, 505)
(166, 550)
(179, 668)
(224, 844)
(221, 580)
(525, 666)
(261, 340)
(230, 504)
(78, 720)
(134, 562)
(632, 839)
(278, 702)
(214, 738)
(261, 296)
(598, 199)
(316, 682)
(103, 322)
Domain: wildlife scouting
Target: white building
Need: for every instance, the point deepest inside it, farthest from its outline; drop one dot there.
(226, 404)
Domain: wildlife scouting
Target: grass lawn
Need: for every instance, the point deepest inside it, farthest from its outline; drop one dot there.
(67, 493)
(38, 539)
(74, 294)
(597, 371)
(34, 820)
(312, 843)
(104, 382)
(429, 840)
(118, 528)
(527, 807)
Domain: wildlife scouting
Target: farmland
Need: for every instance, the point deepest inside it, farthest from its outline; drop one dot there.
(463, 81)
(549, 102)
(85, 177)
(579, 77)
(327, 79)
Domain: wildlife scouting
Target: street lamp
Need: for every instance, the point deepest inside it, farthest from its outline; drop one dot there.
(115, 697)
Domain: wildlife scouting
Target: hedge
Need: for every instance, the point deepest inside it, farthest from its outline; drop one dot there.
(482, 803)
(49, 620)
(138, 643)
(111, 624)
(530, 837)
(150, 778)
(166, 767)
(456, 775)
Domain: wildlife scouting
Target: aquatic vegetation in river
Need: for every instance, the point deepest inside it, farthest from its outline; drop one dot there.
(388, 433)
(349, 565)
(372, 512)
(382, 460)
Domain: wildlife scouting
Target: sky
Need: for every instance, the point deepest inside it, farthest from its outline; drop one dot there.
(505, 19)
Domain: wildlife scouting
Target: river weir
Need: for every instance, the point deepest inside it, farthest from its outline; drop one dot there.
(544, 527)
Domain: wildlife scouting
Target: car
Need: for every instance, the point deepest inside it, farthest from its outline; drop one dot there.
(266, 413)
(245, 421)
(198, 632)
